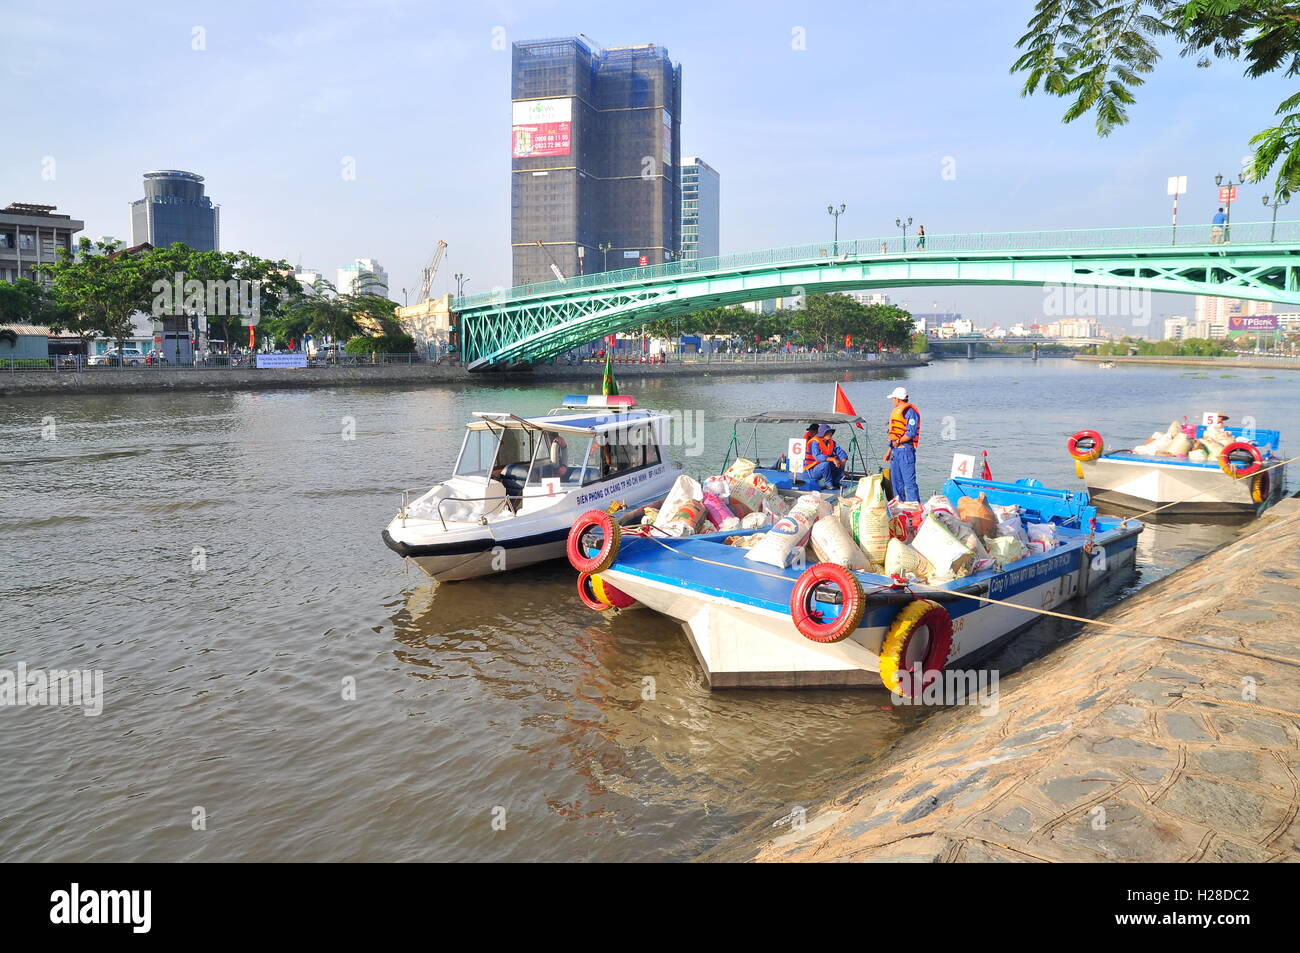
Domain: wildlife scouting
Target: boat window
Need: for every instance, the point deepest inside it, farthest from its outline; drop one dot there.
(558, 456)
(477, 453)
(616, 452)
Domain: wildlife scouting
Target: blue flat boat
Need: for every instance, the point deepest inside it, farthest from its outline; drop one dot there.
(755, 626)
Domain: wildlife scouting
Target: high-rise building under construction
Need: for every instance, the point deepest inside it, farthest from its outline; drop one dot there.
(595, 158)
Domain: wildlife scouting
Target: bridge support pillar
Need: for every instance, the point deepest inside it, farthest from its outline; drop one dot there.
(970, 352)
(1035, 350)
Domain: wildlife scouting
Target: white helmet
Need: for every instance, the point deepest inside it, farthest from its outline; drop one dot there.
(898, 393)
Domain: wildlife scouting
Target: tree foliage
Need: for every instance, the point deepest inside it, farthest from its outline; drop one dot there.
(823, 323)
(1098, 52)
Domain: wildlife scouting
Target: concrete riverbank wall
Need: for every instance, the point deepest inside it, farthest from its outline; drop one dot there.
(136, 380)
(1116, 747)
(1222, 363)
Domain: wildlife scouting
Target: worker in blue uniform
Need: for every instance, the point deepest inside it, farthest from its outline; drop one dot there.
(904, 438)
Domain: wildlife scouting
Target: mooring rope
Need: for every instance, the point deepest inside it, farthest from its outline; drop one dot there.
(1271, 466)
(914, 589)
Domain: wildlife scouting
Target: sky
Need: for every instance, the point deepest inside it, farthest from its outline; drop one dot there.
(797, 106)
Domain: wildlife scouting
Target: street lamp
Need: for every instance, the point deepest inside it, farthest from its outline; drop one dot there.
(1227, 224)
(461, 278)
(903, 227)
(831, 210)
(1278, 202)
(604, 250)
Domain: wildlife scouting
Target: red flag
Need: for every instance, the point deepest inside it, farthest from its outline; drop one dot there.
(848, 341)
(842, 405)
(251, 341)
(986, 474)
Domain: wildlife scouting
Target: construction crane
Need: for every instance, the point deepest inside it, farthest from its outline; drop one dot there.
(428, 272)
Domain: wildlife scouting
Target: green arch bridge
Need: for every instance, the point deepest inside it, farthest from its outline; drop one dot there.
(527, 323)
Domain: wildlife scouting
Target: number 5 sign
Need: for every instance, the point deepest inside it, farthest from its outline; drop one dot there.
(963, 465)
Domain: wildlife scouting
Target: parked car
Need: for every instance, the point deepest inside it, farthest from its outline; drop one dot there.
(128, 356)
(328, 352)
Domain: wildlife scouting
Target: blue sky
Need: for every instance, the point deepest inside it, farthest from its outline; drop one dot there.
(417, 94)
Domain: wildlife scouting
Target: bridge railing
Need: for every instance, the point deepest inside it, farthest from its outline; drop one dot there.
(912, 246)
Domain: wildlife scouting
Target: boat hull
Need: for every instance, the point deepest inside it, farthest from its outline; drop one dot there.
(1139, 483)
(753, 643)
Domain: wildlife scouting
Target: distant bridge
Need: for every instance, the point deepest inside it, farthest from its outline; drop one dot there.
(1034, 342)
(1259, 261)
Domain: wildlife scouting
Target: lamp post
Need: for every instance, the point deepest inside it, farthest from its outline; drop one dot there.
(604, 250)
(831, 210)
(461, 278)
(1227, 205)
(903, 227)
(1278, 202)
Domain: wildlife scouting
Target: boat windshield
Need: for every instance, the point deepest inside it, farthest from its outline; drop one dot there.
(478, 453)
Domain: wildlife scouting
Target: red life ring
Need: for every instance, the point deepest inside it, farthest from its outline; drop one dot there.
(811, 622)
(1095, 446)
(597, 594)
(1230, 468)
(578, 547)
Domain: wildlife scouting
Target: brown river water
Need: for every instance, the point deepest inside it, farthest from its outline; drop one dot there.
(217, 557)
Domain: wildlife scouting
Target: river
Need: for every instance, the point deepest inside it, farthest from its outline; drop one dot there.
(277, 687)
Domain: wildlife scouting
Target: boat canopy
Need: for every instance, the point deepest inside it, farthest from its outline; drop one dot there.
(570, 424)
(799, 417)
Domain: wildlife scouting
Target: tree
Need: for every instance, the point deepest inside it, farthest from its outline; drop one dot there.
(99, 288)
(1099, 51)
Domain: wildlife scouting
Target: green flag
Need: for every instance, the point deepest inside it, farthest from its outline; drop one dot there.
(609, 386)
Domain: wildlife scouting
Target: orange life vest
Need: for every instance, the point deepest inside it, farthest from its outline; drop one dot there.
(809, 458)
(898, 425)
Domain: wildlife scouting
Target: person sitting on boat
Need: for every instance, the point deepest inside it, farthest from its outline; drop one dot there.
(823, 460)
(904, 438)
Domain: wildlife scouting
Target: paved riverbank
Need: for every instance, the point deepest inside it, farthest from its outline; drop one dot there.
(1228, 363)
(135, 380)
(1115, 747)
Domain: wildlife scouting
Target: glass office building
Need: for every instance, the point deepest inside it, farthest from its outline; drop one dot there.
(701, 209)
(174, 209)
(595, 158)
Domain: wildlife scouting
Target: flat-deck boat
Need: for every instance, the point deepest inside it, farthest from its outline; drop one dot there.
(755, 626)
(1247, 477)
(519, 482)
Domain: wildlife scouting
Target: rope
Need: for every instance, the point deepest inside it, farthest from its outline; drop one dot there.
(1271, 466)
(1206, 700)
(1262, 656)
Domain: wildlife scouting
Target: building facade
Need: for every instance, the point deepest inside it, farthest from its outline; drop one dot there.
(31, 235)
(349, 278)
(175, 209)
(701, 210)
(595, 158)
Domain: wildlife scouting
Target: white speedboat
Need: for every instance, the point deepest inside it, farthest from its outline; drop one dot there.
(1246, 477)
(519, 482)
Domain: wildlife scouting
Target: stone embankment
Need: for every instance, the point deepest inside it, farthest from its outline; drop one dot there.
(1118, 746)
(135, 380)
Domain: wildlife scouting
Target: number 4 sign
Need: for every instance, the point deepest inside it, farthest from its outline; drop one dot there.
(963, 465)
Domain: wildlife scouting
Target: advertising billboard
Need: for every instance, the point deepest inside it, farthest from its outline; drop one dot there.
(541, 127)
(1239, 324)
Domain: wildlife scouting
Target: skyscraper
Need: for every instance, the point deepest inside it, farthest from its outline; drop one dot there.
(701, 209)
(174, 209)
(595, 158)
